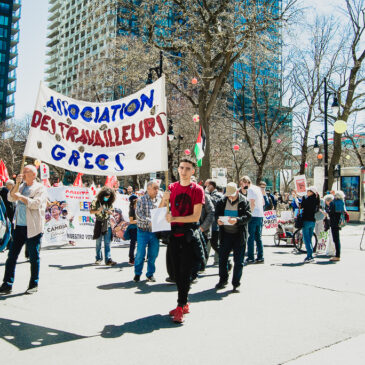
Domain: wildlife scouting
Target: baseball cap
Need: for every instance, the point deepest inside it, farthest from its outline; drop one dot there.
(231, 189)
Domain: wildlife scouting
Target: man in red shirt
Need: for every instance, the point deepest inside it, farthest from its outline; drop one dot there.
(186, 201)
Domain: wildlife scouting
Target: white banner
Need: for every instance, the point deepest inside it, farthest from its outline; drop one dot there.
(68, 216)
(123, 137)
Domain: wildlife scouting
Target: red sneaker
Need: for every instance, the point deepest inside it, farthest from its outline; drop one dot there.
(179, 315)
(185, 310)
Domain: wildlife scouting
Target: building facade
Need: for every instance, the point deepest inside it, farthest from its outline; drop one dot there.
(10, 11)
(79, 33)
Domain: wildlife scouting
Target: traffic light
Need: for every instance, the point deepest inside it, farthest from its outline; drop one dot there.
(337, 171)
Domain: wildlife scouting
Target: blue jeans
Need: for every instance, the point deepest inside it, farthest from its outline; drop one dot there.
(228, 243)
(307, 230)
(255, 231)
(144, 239)
(33, 246)
(107, 239)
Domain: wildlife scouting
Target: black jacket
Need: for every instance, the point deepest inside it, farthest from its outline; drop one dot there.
(244, 215)
(310, 206)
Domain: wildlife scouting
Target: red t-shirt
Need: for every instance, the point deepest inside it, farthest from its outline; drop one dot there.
(183, 199)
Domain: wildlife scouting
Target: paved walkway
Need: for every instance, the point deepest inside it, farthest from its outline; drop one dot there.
(286, 312)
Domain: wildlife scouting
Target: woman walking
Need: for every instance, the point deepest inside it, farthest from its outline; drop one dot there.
(132, 227)
(309, 205)
(336, 209)
(102, 208)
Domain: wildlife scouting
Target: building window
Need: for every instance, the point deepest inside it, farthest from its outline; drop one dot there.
(4, 20)
(3, 33)
(4, 7)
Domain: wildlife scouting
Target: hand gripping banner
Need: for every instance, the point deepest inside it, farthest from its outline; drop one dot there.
(123, 137)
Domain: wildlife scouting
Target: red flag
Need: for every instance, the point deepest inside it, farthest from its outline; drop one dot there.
(93, 188)
(4, 176)
(78, 180)
(46, 183)
(111, 181)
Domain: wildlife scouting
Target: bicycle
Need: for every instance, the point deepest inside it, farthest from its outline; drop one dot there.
(298, 242)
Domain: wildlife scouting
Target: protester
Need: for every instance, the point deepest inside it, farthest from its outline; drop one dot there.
(336, 209)
(330, 246)
(145, 236)
(10, 206)
(211, 188)
(310, 205)
(186, 202)
(102, 207)
(233, 236)
(132, 228)
(268, 204)
(130, 190)
(30, 197)
(296, 200)
(256, 201)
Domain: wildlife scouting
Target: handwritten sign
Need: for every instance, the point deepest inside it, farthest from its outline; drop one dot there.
(123, 137)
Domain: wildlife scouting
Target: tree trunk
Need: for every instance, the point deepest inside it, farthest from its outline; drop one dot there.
(337, 147)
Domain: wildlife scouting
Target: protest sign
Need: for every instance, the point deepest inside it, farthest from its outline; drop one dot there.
(123, 137)
(270, 222)
(300, 182)
(68, 216)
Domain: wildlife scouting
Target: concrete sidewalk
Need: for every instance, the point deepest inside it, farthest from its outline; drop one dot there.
(287, 312)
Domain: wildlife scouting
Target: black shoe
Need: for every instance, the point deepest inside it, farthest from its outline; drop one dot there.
(249, 261)
(110, 262)
(31, 290)
(169, 280)
(194, 281)
(131, 262)
(5, 289)
(236, 289)
(151, 279)
(221, 285)
(259, 261)
(137, 278)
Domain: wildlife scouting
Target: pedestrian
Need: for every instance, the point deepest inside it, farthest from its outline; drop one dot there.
(268, 204)
(336, 209)
(145, 237)
(310, 205)
(130, 190)
(186, 202)
(296, 200)
(233, 236)
(102, 207)
(215, 195)
(31, 199)
(10, 206)
(132, 228)
(254, 196)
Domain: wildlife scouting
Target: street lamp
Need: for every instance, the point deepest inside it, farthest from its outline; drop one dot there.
(324, 135)
(157, 69)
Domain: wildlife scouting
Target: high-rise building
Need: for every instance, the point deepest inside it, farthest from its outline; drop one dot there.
(9, 38)
(78, 31)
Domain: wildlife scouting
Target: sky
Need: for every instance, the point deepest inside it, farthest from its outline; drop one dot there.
(32, 49)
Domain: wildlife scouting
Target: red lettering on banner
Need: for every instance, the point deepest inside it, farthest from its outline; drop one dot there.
(125, 131)
(83, 138)
(36, 120)
(149, 124)
(53, 124)
(44, 122)
(98, 140)
(63, 126)
(71, 133)
(160, 124)
(117, 141)
(90, 137)
(106, 138)
(112, 144)
(141, 134)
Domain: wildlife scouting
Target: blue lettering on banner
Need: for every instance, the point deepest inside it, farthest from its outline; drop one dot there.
(119, 163)
(74, 158)
(88, 165)
(60, 155)
(98, 159)
(108, 114)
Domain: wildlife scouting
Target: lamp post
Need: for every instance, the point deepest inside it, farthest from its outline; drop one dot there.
(157, 69)
(324, 135)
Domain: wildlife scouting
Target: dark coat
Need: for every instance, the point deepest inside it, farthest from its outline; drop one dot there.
(244, 216)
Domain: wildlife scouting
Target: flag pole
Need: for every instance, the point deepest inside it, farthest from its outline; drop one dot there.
(22, 165)
(167, 184)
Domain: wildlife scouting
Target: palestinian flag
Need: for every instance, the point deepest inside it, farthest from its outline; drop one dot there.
(200, 147)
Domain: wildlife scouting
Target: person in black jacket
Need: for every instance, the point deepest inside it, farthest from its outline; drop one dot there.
(309, 205)
(233, 236)
(10, 207)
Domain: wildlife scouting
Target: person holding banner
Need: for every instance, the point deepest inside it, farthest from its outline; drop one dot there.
(186, 202)
(102, 208)
(31, 199)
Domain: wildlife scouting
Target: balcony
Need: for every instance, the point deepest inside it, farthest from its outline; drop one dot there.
(13, 52)
(16, 15)
(17, 4)
(52, 42)
(51, 77)
(15, 28)
(11, 76)
(51, 69)
(54, 6)
(10, 101)
(14, 40)
(53, 33)
(13, 64)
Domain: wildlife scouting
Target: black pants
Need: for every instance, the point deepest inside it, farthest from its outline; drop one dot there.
(336, 239)
(132, 244)
(182, 258)
(231, 242)
(214, 241)
(169, 263)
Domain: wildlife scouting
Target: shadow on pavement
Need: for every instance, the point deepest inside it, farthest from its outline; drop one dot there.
(208, 295)
(139, 327)
(65, 246)
(142, 286)
(325, 262)
(117, 266)
(71, 267)
(27, 336)
(293, 264)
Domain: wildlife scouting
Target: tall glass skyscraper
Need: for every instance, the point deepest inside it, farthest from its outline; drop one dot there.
(9, 39)
(78, 30)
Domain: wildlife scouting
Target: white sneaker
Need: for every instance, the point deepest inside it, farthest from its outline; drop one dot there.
(98, 262)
